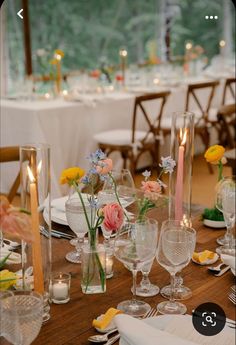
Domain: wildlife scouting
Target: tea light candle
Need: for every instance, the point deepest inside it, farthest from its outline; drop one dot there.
(109, 266)
(60, 291)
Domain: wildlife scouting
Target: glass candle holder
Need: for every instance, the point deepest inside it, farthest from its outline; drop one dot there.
(180, 182)
(60, 288)
(109, 263)
(35, 198)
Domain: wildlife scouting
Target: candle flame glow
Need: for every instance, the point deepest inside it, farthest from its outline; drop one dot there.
(31, 176)
(123, 53)
(183, 136)
(57, 57)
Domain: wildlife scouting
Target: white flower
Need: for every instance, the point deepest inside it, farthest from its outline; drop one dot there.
(167, 164)
(146, 174)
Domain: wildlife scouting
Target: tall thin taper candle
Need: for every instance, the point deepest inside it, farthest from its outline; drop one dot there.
(180, 179)
(36, 246)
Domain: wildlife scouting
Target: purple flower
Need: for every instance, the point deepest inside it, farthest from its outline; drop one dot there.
(146, 174)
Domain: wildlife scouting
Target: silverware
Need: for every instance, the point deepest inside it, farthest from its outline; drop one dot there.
(55, 233)
(216, 269)
(231, 324)
(152, 312)
(99, 338)
(232, 298)
(112, 340)
(223, 271)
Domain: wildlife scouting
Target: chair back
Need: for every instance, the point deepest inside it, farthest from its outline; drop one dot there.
(191, 93)
(229, 88)
(227, 121)
(11, 154)
(153, 124)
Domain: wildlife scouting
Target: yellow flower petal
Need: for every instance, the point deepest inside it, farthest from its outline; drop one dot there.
(71, 174)
(59, 52)
(7, 279)
(214, 154)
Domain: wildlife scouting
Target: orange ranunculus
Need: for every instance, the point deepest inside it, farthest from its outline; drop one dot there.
(214, 154)
(71, 174)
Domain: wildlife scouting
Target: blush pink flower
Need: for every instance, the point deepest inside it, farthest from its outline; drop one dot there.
(113, 216)
(104, 166)
(151, 189)
(15, 223)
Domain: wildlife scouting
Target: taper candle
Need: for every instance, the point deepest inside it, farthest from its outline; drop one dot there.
(179, 180)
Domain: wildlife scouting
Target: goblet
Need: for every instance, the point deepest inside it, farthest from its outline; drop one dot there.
(77, 222)
(175, 248)
(225, 202)
(8, 325)
(135, 244)
(146, 288)
(25, 317)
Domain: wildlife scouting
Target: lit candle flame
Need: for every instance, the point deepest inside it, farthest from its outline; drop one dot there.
(183, 136)
(31, 176)
(123, 52)
(57, 57)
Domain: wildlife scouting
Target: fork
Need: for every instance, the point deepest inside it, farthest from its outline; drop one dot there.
(232, 298)
(152, 312)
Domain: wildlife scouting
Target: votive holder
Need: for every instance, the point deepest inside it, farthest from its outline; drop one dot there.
(60, 288)
(109, 263)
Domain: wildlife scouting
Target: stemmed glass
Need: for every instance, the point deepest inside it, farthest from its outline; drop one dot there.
(23, 316)
(146, 288)
(77, 222)
(175, 248)
(225, 202)
(135, 244)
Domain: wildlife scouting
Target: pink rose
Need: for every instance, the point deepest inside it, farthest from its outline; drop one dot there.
(104, 166)
(14, 223)
(113, 216)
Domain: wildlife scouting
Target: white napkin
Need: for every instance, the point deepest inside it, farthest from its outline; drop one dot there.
(229, 260)
(137, 332)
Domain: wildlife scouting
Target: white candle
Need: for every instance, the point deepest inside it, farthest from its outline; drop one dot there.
(60, 291)
(109, 266)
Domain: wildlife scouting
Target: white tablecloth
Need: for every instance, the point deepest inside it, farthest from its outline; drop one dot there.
(68, 127)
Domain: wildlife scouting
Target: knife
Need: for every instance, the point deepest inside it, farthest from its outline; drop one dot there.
(222, 271)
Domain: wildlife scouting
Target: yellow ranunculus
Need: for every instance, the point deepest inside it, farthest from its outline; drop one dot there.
(53, 61)
(214, 154)
(7, 279)
(71, 174)
(59, 52)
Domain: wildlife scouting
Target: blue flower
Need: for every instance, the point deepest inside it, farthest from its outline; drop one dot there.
(146, 174)
(167, 164)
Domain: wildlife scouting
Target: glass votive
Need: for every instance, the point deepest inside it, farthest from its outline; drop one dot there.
(109, 263)
(60, 288)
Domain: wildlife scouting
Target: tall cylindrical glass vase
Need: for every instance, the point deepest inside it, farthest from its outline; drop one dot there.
(180, 183)
(35, 197)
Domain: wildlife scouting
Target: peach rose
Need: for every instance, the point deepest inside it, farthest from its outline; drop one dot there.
(151, 187)
(104, 166)
(113, 216)
(15, 223)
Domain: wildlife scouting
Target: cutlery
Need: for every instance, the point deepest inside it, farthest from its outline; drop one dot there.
(216, 269)
(101, 337)
(232, 298)
(231, 324)
(112, 340)
(233, 288)
(152, 312)
(223, 271)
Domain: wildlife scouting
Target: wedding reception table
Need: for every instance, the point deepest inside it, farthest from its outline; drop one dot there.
(71, 323)
(69, 126)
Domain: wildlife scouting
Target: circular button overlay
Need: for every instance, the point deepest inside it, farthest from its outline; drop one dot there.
(208, 319)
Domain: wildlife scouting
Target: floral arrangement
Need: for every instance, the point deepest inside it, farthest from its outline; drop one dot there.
(15, 223)
(153, 189)
(111, 215)
(215, 155)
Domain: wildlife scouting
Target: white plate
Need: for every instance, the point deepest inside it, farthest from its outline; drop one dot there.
(214, 224)
(184, 330)
(59, 203)
(108, 328)
(207, 262)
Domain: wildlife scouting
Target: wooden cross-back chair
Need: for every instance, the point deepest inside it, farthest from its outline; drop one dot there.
(229, 88)
(132, 143)
(11, 154)
(206, 117)
(227, 121)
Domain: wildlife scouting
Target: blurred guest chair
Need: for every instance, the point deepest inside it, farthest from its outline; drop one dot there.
(132, 143)
(11, 154)
(206, 116)
(229, 90)
(227, 122)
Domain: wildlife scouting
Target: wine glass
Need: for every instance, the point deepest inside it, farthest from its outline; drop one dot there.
(25, 317)
(8, 328)
(77, 222)
(146, 288)
(135, 244)
(175, 248)
(225, 202)
(118, 184)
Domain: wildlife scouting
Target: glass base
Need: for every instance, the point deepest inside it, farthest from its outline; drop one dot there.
(225, 250)
(46, 307)
(134, 308)
(171, 308)
(222, 241)
(180, 292)
(151, 290)
(73, 257)
(74, 241)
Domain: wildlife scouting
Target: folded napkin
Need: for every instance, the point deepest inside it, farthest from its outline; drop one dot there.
(167, 330)
(137, 332)
(229, 260)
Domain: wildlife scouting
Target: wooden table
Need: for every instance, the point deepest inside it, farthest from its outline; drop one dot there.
(71, 323)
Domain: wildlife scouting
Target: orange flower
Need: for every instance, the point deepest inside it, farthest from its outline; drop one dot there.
(214, 154)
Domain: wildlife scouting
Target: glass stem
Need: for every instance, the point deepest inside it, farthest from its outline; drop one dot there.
(172, 287)
(79, 244)
(145, 282)
(230, 232)
(134, 272)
